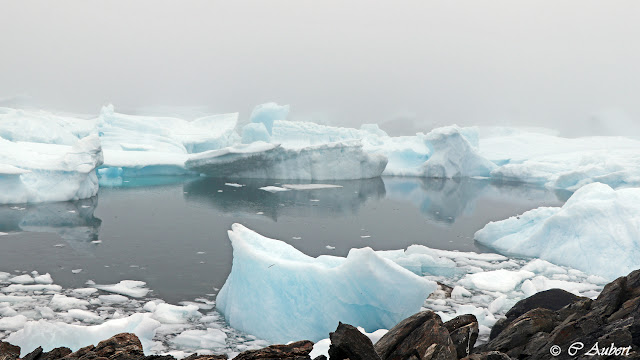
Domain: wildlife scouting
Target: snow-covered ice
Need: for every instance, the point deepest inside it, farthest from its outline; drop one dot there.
(282, 285)
(131, 288)
(596, 231)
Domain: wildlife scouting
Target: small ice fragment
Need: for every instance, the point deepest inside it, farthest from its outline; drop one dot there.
(259, 213)
(330, 247)
(310, 186)
(296, 238)
(273, 189)
(365, 236)
(85, 206)
(314, 200)
(96, 242)
(72, 211)
(3, 233)
(131, 288)
(234, 184)
(201, 252)
(76, 271)
(219, 190)
(59, 245)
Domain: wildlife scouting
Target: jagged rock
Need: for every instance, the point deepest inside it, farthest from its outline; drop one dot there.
(347, 342)
(206, 357)
(161, 357)
(554, 299)
(420, 337)
(321, 357)
(463, 331)
(516, 335)
(125, 346)
(8, 351)
(295, 351)
(489, 355)
(34, 355)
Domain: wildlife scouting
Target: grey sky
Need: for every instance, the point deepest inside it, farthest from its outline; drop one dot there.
(561, 64)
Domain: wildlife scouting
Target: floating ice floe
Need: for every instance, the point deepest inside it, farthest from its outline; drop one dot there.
(34, 172)
(272, 161)
(282, 286)
(597, 231)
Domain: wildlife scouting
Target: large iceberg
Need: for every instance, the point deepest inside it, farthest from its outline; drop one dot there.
(43, 127)
(34, 172)
(597, 231)
(280, 294)
(272, 161)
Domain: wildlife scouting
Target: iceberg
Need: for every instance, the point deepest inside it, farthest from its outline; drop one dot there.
(273, 161)
(35, 172)
(294, 296)
(597, 231)
(267, 113)
(454, 154)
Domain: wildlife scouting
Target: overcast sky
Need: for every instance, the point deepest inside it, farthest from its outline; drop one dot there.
(412, 65)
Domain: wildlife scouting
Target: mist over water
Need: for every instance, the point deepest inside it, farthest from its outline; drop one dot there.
(410, 66)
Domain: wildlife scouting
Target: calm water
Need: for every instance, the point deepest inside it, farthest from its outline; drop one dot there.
(171, 232)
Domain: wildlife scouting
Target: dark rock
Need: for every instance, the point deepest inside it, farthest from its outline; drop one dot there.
(463, 331)
(295, 351)
(321, 357)
(513, 338)
(125, 346)
(8, 351)
(422, 336)
(347, 342)
(55, 354)
(489, 355)
(554, 299)
(34, 355)
(163, 357)
(206, 357)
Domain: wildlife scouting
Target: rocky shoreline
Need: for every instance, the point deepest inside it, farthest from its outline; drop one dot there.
(552, 324)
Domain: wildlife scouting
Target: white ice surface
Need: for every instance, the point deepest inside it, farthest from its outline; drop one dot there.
(48, 172)
(597, 231)
(282, 286)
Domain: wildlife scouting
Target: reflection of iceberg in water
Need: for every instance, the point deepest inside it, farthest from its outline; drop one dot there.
(444, 200)
(73, 221)
(249, 199)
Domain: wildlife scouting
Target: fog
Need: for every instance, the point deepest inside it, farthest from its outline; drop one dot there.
(408, 65)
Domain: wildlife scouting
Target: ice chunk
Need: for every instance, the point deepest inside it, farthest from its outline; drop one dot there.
(454, 154)
(83, 315)
(131, 288)
(255, 132)
(310, 186)
(113, 299)
(201, 339)
(273, 189)
(173, 314)
(270, 161)
(13, 323)
(43, 279)
(595, 231)
(267, 113)
(22, 279)
(498, 280)
(281, 285)
(52, 334)
(62, 302)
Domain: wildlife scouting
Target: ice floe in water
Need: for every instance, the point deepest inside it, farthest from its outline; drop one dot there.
(32, 172)
(597, 231)
(272, 161)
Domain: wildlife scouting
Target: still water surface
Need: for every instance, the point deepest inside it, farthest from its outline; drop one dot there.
(171, 232)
